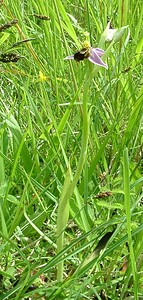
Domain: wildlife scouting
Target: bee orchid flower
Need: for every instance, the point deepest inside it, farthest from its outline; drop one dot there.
(92, 54)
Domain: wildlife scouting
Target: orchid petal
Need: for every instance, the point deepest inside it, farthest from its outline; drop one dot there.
(69, 57)
(95, 59)
(101, 63)
(99, 51)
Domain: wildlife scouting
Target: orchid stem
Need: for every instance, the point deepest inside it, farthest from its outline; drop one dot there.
(71, 181)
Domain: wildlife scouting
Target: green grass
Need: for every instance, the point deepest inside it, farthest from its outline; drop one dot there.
(71, 149)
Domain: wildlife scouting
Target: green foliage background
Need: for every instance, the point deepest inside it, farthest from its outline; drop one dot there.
(40, 135)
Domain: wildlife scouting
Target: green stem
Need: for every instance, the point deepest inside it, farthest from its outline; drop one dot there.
(128, 216)
(70, 181)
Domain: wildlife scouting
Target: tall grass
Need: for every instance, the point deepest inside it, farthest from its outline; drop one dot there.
(49, 151)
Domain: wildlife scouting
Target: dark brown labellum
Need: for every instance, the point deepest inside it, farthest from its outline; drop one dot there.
(82, 54)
